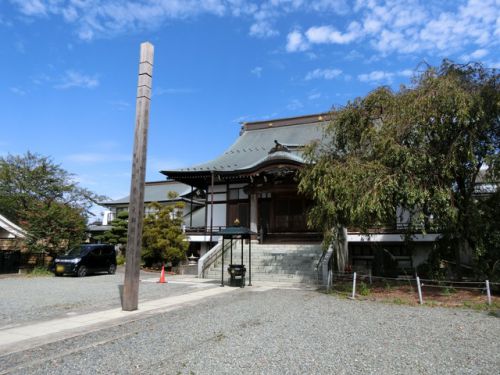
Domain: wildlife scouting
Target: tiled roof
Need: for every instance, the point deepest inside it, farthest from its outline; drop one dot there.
(253, 145)
(156, 191)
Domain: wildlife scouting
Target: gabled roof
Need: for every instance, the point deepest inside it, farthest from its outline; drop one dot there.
(11, 228)
(255, 142)
(156, 191)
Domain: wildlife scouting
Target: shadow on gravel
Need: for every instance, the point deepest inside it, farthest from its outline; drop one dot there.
(120, 291)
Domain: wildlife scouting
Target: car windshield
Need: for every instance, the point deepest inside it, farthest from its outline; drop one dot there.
(74, 252)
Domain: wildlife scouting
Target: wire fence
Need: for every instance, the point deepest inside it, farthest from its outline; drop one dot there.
(409, 289)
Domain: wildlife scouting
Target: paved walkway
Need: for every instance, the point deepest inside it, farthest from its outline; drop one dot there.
(31, 335)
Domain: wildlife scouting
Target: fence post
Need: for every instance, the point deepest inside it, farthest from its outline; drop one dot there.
(419, 288)
(488, 293)
(354, 286)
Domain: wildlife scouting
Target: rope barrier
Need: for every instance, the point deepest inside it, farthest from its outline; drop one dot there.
(419, 283)
(405, 279)
(444, 286)
(454, 282)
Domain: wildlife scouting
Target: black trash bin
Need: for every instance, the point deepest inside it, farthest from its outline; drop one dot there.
(237, 273)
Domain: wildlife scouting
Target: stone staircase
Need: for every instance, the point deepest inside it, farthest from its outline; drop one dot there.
(290, 263)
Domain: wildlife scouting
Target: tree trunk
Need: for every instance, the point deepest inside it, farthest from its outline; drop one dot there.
(340, 247)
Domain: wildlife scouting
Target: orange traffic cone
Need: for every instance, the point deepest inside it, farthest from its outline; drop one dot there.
(162, 275)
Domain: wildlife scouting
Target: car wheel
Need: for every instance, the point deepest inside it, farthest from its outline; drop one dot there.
(112, 269)
(82, 271)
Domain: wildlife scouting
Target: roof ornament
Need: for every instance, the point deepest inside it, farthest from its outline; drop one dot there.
(278, 147)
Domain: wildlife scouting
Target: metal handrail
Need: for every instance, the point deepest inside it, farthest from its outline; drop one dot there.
(321, 259)
(211, 257)
(204, 230)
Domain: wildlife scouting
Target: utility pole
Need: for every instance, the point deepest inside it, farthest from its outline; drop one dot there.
(136, 204)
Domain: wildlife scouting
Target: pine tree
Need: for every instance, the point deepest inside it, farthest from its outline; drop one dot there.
(117, 235)
(163, 239)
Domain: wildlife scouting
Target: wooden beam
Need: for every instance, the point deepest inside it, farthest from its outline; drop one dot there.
(136, 205)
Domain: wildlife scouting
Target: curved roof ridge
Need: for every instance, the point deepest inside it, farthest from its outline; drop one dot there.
(253, 146)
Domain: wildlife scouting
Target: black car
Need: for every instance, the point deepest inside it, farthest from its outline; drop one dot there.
(86, 259)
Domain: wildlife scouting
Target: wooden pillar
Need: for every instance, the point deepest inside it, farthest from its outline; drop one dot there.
(253, 214)
(212, 208)
(191, 210)
(136, 205)
(206, 210)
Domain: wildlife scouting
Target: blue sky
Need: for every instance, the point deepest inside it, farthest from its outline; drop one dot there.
(69, 70)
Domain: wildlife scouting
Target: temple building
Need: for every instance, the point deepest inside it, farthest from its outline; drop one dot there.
(254, 182)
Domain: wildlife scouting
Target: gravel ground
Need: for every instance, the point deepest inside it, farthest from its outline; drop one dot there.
(30, 299)
(259, 331)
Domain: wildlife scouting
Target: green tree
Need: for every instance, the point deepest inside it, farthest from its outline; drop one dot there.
(53, 228)
(488, 240)
(42, 197)
(163, 239)
(117, 234)
(419, 149)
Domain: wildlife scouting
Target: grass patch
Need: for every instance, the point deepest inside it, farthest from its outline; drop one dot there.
(39, 271)
(364, 289)
(120, 260)
(494, 308)
(387, 286)
(448, 291)
(431, 303)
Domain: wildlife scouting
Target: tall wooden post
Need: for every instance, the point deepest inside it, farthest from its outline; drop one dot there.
(136, 205)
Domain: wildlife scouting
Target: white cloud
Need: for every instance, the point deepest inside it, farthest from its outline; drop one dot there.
(476, 55)
(263, 29)
(257, 71)
(391, 26)
(406, 73)
(379, 76)
(387, 26)
(31, 7)
(17, 91)
(376, 76)
(73, 78)
(107, 18)
(314, 95)
(323, 74)
(354, 55)
(296, 42)
(335, 6)
(328, 34)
